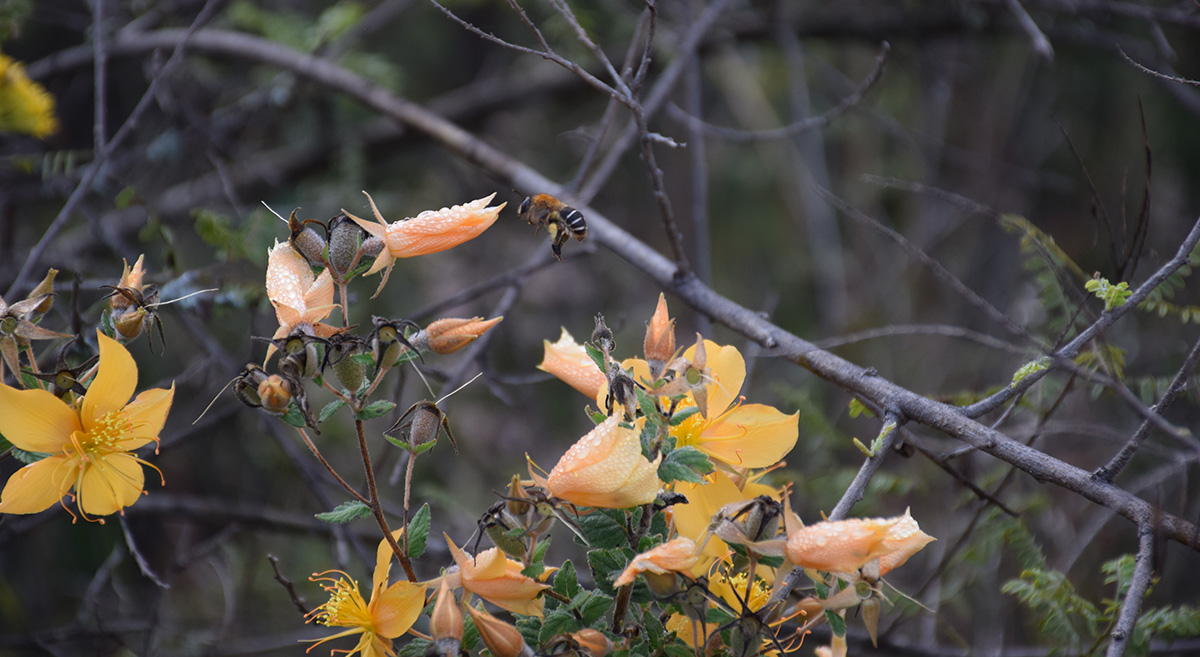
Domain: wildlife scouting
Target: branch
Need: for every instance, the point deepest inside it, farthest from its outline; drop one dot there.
(950, 420)
(1138, 585)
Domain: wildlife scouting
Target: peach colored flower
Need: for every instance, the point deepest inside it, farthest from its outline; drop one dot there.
(675, 556)
(429, 232)
(605, 469)
(502, 639)
(90, 444)
(390, 613)
(569, 361)
(659, 344)
(497, 579)
(301, 300)
(844, 546)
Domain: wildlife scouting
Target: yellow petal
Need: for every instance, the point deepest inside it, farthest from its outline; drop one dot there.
(33, 488)
(750, 436)
(116, 379)
(110, 485)
(728, 373)
(704, 501)
(35, 420)
(396, 609)
(146, 415)
(383, 561)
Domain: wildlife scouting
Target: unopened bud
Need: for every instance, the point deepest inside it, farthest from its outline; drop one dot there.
(660, 337)
(593, 641)
(46, 287)
(446, 336)
(307, 242)
(344, 239)
(446, 621)
(349, 371)
(131, 279)
(602, 336)
(275, 394)
(501, 638)
(129, 324)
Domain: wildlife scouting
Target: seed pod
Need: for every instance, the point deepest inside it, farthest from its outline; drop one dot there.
(308, 242)
(602, 337)
(275, 394)
(345, 238)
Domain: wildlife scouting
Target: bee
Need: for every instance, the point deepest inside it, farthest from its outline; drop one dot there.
(561, 220)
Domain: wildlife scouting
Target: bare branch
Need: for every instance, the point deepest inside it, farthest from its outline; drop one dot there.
(1138, 585)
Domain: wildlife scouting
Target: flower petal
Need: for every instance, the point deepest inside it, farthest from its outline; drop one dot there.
(705, 499)
(569, 361)
(728, 372)
(110, 485)
(606, 469)
(35, 420)
(437, 230)
(750, 436)
(116, 379)
(34, 487)
(146, 415)
(396, 609)
(383, 562)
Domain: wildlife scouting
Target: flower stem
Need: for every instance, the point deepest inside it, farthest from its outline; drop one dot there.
(317, 453)
(377, 508)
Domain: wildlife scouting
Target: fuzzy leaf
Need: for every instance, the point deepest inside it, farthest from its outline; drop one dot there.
(345, 512)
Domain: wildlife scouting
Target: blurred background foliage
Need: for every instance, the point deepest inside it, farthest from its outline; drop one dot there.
(977, 149)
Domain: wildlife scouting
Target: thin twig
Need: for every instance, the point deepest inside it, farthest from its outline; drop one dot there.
(377, 508)
(796, 128)
(143, 565)
(1143, 573)
(287, 585)
(1041, 45)
(1110, 470)
(1164, 76)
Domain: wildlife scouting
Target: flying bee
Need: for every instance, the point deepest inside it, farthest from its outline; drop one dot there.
(561, 220)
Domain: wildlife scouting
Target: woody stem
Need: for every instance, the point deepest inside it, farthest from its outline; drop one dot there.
(377, 508)
(625, 592)
(317, 453)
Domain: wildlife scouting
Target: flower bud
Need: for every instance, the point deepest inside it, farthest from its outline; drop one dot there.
(593, 642)
(46, 287)
(659, 345)
(131, 279)
(446, 622)
(275, 394)
(602, 336)
(501, 638)
(129, 324)
(569, 361)
(446, 336)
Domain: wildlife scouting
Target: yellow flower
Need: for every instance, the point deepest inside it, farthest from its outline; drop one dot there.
(705, 501)
(844, 546)
(605, 469)
(429, 232)
(390, 613)
(497, 579)
(741, 435)
(301, 300)
(25, 106)
(568, 360)
(89, 445)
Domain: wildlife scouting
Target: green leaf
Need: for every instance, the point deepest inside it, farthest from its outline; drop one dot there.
(125, 197)
(595, 607)
(557, 622)
(566, 582)
(345, 512)
(837, 624)
(686, 464)
(330, 408)
(418, 531)
(27, 457)
(858, 408)
(606, 564)
(680, 416)
(602, 531)
(653, 629)
(375, 409)
(1039, 364)
(596, 355)
(293, 416)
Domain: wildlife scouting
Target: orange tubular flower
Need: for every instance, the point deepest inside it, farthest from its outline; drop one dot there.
(498, 579)
(605, 469)
(675, 556)
(90, 444)
(390, 613)
(741, 435)
(844, 546)
(301, 299)
(429, 232)
(659, 344)
(568, 360)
